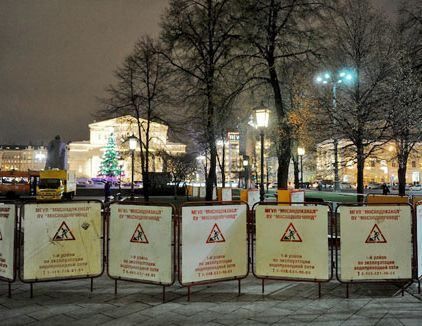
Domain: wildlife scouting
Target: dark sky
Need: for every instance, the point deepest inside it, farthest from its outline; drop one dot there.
(57, 56)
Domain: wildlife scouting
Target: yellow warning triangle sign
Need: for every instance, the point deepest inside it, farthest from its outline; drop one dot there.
(139, 235)
(215, 235)
(291, 234)
(375, 236)
(63, 233)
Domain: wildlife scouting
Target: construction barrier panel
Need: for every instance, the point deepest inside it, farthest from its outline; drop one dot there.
(140, 239)
(419, 238)
(253, 197)
(291, 242)
(7, 242)
(290, 196)
(224, 194)
(375, 242)
(214, 243)
(62, 241)
(386, 199)
(202, 192)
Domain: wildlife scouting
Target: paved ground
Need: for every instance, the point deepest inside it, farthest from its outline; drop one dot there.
(71, 303)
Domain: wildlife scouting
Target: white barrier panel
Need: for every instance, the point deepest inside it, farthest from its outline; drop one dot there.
(140, 243)
(376, 243)
(297, 196)
(253, 197)
(214, 243)
(226, 194)
(7, 241)
(291, 242)
(202, 192)
(62, 240)
(419, 238)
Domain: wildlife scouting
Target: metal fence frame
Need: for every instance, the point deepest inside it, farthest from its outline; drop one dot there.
(22, 236)
(404, 283)
(180, 244)
(174, 229)
(292, 279)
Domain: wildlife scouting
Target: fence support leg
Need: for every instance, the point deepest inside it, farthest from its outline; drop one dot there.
(92, 284)
(188, 293)
(9, 295)
(164, 293)
(347, 290)
(319, 290)
(31, 290)
(262, 286)
(238, 288)
(419, 286)
(115, 287)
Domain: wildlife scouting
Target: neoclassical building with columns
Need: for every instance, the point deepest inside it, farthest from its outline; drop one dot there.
(85, 156)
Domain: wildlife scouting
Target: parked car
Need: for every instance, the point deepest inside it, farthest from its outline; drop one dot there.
(416, 187)
(374, 185)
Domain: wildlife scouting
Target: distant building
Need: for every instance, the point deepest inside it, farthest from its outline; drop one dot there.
(22, 158)
(381, 166)
(85, 156)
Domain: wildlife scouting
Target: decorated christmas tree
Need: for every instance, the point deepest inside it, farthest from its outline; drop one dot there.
(109, 166)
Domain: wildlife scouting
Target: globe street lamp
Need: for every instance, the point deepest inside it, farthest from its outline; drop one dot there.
(300, 153)
(133, 143)
(262, 115)
(345, 77)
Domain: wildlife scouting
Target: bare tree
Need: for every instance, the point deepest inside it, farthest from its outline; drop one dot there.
(181, 167)
(199, 38)
(405, 105)
(360, 40)
(276, 33)
(141, 91)
(410, 29)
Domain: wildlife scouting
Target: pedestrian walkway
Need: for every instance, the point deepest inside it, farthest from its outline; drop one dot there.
(284, 303)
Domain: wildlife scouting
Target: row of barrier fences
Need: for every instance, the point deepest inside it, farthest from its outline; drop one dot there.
(208, 242)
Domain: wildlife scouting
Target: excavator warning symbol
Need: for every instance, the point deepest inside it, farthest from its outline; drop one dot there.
(63, 233)
(291, 234)
(215, 235)
(139, 235)
(375, 236)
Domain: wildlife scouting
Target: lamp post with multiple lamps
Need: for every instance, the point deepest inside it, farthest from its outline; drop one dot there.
(346, 77)
(300, 153)
(262, 115)
(133, 143)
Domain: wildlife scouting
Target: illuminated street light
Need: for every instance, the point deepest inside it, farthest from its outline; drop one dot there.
(262, 116)
(345, 76)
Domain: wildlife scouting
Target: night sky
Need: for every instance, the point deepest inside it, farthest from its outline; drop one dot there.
(57, 56)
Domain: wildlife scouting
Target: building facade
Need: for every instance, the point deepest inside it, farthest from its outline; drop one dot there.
(85, 156)
(22, 158)
(381, 166)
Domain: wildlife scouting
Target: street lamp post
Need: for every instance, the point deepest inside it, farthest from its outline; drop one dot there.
(327, 78)
(245, 167)
(300, 153)
(262, 115)
(133, 142)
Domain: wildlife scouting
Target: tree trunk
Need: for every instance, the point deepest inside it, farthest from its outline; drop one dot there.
(223, 165)
(402, 179)
(360, 168)
(283, 137)
(212, 175)
(283, 163)
(296, 171)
